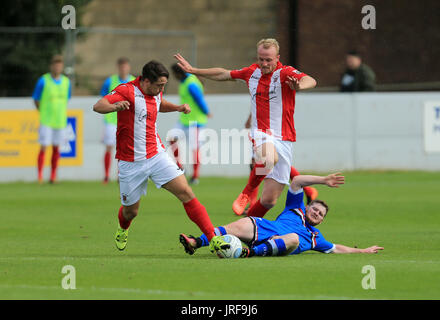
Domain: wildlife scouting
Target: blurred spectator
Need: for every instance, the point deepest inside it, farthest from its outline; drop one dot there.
(111, 119)
(193, 123)
(358, 76)
(51, 94)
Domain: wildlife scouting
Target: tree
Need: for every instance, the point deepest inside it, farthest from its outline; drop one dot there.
(26, 56)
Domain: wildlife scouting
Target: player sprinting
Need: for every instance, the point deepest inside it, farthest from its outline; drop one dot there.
(293, 232)
(111, 119)
(191, 125)
(51, 95)
(272, 87)
(140, 151)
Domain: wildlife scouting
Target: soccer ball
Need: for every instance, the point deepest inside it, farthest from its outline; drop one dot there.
(234, 251)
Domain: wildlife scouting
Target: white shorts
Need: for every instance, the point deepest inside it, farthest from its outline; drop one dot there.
(281, 171)
(193, 136)
(109, 138)
(48, 136)
(133, 176)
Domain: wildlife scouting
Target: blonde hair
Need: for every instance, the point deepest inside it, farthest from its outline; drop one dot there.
(267, 43)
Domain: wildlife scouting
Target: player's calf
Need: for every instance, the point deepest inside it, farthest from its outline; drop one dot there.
(130, 212)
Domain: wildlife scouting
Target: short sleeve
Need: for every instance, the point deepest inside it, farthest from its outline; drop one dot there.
(36, 95)
(323, 245)
(243, 74)
(120, 93)
(69, 94)
(292, 72)
(105, 87)
(295, 199)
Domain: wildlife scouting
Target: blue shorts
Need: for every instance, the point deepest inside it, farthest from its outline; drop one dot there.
(265, 229)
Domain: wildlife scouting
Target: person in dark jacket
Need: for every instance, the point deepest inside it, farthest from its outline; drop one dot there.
(358, 76)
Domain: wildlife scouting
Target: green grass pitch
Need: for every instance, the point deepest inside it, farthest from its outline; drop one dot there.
(45, 227)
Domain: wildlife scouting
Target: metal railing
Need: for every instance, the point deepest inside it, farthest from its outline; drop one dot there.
(72, 34)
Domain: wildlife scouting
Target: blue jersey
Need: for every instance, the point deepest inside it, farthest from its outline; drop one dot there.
(292, 220)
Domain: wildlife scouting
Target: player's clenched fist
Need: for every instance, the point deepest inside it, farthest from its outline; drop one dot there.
(121, 105)
(184, 108)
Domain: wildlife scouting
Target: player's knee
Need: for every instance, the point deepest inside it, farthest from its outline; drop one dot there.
(243, 229)
(291, 241)
(271, 160)
(186, 194)
(268, 201)
(269, 164)
(239, 228)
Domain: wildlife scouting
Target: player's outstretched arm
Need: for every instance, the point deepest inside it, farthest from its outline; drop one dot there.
(339, 248)
(166, 106)
(104, 106)
(333, 180)
(306, 82)
(218, 74)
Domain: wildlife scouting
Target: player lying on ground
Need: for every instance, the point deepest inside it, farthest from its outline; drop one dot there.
(293, 232)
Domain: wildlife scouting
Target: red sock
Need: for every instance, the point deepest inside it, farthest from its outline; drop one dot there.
(308, 191)
(253, 196)
(54, 162)
(40, 164)
(257, 210)
(293, 172)
(124, 223)
(196, 165)
(107, 163)
(197, 213)
(254, 180)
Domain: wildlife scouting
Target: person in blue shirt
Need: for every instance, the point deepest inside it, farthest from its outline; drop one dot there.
(111, 119)
(51, 94)
(293, 232)
(190, 126)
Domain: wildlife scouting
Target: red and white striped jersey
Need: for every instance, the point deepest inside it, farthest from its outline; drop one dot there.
(136, 135)
(272, 100)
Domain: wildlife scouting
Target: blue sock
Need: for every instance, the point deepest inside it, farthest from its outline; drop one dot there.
(273, 247)
(219, 231)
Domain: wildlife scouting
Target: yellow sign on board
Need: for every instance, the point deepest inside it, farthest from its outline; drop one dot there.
(19, 145)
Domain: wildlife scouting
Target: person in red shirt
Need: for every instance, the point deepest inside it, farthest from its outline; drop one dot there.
(272, 87)
(140, 151)
(310, 192)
